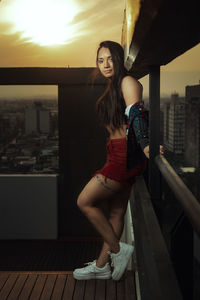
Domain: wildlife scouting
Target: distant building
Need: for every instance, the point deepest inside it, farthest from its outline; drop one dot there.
(44, 121)
(192, 126)
(174, 124)
(30, 120)
(4, 126)
(37, 119)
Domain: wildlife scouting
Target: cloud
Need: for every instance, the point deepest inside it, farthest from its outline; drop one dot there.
(96, 21)
(46, 22)
(98, 16)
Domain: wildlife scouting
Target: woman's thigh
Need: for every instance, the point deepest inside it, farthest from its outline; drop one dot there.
(118, 203)
(98, 189)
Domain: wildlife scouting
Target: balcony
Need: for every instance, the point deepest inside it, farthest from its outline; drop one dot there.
(160, 270)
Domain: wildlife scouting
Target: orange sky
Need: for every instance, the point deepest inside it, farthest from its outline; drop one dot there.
(94, 21)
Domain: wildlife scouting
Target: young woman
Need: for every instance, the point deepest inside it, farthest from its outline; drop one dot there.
(127, 151)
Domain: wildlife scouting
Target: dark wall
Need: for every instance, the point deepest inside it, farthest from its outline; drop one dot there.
(82, 152)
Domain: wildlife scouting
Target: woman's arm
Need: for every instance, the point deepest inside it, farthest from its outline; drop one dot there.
(138, 121)
(132, 93)
(131, 90)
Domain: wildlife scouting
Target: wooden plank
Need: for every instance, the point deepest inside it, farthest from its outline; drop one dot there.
(38, 287)
(48, 288)
(29, 284)
(62, 286)
(79, 290)
(69, 288)
(111, 290)
(18, 287)
(130, 286)
(120, 285)
(8, 286)
(100, 289)
(7, 273)
(3, 278)
(90, 289)
(59, 287)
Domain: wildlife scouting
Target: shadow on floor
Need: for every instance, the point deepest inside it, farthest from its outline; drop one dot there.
(42, 255)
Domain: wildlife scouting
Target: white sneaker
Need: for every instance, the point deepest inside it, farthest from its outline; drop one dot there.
(92, 272)
(120, 260)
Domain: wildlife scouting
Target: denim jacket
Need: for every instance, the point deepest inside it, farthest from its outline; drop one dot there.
(137, 135)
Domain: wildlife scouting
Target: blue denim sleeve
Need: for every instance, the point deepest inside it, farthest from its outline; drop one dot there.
(138, 119)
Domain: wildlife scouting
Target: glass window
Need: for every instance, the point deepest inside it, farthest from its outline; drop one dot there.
(28, 130)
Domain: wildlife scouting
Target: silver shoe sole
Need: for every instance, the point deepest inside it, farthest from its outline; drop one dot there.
(92, 276)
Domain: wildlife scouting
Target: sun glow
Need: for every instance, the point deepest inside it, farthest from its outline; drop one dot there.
(44, 22)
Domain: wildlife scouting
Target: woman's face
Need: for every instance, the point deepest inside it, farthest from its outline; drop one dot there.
(105, 62)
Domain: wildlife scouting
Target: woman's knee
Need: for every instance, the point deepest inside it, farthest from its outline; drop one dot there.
(83, 203)
(80, 202)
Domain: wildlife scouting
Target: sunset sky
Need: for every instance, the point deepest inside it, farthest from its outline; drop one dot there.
(62, 33)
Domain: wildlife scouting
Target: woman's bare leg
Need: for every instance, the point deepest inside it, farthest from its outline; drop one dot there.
(118, 206)
(94, 192)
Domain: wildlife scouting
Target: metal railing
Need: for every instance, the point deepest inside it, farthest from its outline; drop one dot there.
(185, 197)
(157, 279)
(156, 264)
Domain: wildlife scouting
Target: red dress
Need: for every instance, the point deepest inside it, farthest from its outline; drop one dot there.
(115, 167)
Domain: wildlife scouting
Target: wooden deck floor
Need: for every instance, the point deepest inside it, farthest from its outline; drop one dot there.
(62, 285)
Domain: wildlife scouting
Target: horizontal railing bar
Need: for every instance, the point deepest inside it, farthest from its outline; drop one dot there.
(48, 76)
(185, 197)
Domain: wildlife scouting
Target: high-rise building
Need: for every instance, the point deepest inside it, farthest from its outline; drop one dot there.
(44, 121)
(37, 119)
(30, 120)
(192, 126)
(174, 124)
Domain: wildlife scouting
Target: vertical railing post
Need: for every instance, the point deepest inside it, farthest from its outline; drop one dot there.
(154, 125)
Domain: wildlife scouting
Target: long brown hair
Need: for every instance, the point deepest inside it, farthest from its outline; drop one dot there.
(111, 105)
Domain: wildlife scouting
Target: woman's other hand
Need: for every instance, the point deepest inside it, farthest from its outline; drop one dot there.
(161, 150)
(146, 151)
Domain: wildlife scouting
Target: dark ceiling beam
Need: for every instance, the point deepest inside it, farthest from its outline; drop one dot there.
(161, 31)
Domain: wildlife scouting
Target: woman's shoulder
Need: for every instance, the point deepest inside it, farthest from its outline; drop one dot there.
(131, 89)
(130, 80)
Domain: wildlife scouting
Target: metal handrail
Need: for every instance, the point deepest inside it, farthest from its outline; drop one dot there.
(189, 203)
(157, 279)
